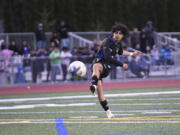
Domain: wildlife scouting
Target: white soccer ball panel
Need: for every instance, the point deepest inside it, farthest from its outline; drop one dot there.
(77, 68)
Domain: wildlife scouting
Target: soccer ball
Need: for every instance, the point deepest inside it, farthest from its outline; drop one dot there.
(77, 68)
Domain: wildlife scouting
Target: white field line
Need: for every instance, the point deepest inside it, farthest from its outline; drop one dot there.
(115, 114)
(43, 105)
(147, 104)
(76, 104)
(93, 122)
(123, 122)
(71, 112)
(155, 112)
(88, 96)
(114, 100)
(142, 99)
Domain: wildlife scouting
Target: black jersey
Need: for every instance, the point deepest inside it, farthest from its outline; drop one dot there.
(107, 52)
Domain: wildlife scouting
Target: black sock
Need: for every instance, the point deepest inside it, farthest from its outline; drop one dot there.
(94, 80)
(104, 105)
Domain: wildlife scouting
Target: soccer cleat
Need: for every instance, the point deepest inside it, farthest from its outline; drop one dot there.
(93, 88)
(109, 114)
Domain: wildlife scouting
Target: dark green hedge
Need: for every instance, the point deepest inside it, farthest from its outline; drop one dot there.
(89, 15)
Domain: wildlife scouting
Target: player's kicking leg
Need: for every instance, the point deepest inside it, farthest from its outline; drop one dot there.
(96, 71)
(96, 84)
(103, 100)
(93, 86)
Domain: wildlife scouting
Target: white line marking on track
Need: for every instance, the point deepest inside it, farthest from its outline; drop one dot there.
(123, 114)
(43, 105)
(89, 96)
(142, 99)
(93, 122)
(123, 122)
(155, 112)
(60, 112)
(81, 117)
(75, 104)
(148, 104)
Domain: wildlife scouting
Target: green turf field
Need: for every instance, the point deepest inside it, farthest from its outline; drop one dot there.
(138, 112)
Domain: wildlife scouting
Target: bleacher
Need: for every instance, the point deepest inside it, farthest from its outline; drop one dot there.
(81, 39)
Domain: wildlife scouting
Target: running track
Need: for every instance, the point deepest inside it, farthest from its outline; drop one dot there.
(22, 89)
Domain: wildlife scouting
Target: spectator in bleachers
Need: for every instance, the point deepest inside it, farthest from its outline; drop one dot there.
(149, 29)
(143, 40)
(96, 46)
(135, 38)
(42, 61)
(52, 45)
(144, 66)
(55, 39)
(51, 48)
(113, 71)
(65, 61)
(148, 55)
(166, 55)
(55, 61)
(123, 59)
(25, 49)
(84, 53)
(134, 68)
(34, 65)
(84, 57)
(13, 47)
(75, 54)
(155, 56)
(148, 51)
(63, 33)
(40, 36)
(138, 47)
(5, 63)
(94, 49)
(5, 54)
(26, 64)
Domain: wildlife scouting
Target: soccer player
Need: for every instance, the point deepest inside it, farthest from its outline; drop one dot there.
(103, 60)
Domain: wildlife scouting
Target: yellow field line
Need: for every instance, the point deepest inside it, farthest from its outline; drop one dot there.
(164, 117)
(10, 120)
(150, 118)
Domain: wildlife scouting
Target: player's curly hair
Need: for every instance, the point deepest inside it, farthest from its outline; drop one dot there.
(121, 27)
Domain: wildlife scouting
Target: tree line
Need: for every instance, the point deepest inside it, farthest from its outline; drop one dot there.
(89, 15)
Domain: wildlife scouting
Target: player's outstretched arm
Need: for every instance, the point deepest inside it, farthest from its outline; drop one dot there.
(126, 53)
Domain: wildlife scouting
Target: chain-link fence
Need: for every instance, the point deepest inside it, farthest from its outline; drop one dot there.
(86, 38)
(22, 70)
(15, 68)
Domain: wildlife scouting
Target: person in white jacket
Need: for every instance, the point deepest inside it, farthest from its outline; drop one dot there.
(65, 61)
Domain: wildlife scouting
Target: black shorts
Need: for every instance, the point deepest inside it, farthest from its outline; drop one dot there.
(106, 70)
